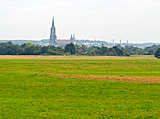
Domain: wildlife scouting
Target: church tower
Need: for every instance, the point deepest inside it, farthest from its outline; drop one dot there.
(53, 37)
(73, 40)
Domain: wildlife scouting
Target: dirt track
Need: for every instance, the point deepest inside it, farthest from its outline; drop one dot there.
(68, 57)
(112, 78)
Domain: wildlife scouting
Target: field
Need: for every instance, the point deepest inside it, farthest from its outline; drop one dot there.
(75, 87)
(144, 56)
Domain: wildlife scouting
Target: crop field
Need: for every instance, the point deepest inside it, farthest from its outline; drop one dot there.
(74, 87)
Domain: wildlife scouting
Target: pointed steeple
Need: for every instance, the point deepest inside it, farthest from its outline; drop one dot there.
(53, 37)
(53, 21)
(73, 39)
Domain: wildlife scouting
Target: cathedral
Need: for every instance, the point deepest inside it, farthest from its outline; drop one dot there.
(53, 38)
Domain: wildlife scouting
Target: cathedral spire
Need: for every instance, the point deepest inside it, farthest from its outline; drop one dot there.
(53, 37)
(53, 21)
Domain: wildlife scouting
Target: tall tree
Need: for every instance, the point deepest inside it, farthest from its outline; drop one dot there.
(70, 48)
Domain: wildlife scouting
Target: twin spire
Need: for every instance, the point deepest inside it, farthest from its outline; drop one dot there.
(73, 36)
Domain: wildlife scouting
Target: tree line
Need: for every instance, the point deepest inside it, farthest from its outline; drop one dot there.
(32, 49)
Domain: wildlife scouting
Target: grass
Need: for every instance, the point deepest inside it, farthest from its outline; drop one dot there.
(84, 67)
(27, 95)
(143, 56)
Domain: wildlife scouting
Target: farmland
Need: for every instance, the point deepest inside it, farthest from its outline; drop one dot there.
(61, 88)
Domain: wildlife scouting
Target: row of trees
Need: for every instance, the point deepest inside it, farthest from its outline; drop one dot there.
(33, 49)
(29, 49)
(142, 51)
(118, 50)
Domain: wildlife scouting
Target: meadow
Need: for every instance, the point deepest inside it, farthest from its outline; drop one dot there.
(26, 93)
(147, 56)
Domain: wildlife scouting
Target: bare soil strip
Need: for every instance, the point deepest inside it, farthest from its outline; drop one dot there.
(112, 78)
(67, 57)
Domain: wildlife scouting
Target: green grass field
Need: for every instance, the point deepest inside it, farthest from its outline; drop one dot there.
(24, 94)
(143, 56)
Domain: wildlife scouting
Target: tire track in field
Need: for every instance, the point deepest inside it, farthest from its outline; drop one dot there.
(111, 78)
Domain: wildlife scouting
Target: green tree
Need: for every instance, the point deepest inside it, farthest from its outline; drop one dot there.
(70, 48)
(104, 51)
(84, 48)
(118, 51)
(30, 49)
(151, 52)
(44, 50)
(157, 54)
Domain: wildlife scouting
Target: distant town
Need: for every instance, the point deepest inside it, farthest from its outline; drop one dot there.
(53, 41)
(88, 43)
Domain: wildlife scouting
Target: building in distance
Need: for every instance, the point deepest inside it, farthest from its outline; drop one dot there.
(53, 38)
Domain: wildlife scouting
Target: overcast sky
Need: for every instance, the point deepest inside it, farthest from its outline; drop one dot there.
(133, 20)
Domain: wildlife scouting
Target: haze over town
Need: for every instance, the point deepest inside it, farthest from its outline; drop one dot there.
(133, 20)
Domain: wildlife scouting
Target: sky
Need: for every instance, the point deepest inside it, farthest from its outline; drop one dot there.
(134, 20)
